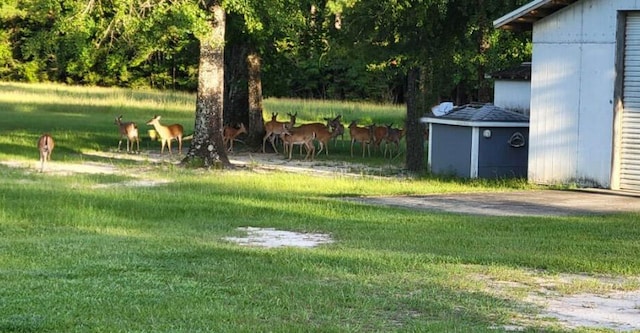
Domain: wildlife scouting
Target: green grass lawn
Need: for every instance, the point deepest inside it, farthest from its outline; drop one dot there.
(88, 253)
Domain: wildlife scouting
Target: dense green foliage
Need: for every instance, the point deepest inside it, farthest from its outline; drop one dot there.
(337, 49)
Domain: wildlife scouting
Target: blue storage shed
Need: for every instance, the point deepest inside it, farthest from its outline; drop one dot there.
(478, 141)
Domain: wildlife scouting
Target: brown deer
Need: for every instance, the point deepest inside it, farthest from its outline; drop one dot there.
(274, 128)
(45, 146)
(308, 128)
(230, 133)
(294, 136)
(379, 134)
(364, 135)
(167, 133)
(323, 136)
(394, 135)
(129, 130)
(337, 128)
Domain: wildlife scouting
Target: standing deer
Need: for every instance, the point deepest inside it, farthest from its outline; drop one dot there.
(379, 134)
(294, 136)
(308, 128)
(45, 146)
(129, 130)
(337, 128)
(167, 133)
(274, 129)
(230, 133)
(364, 135)
(323, 136)
(394, 135)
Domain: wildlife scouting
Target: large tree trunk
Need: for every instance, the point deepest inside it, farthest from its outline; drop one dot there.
(484, 90)
(236, 101)
(206, 145)
(415, 129)
(256, 121)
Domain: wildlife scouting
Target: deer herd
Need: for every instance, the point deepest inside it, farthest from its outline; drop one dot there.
(306, 136)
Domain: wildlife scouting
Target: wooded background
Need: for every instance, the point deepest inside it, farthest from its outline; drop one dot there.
(372, 50)
(335, 49)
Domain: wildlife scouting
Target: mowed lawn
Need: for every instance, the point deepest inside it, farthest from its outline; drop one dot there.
(145, 249)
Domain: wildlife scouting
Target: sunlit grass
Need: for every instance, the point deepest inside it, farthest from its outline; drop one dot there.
(91, 252)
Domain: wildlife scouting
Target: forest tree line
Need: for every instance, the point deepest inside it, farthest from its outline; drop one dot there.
(234, 52)
(331, 49)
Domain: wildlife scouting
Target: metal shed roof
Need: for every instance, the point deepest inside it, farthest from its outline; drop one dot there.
(522, 19)
(480, 115)
(521, 72)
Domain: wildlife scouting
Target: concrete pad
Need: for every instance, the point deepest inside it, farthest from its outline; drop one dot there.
(519, 203)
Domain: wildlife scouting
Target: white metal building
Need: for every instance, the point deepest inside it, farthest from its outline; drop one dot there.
(585, 91)
(512, 88)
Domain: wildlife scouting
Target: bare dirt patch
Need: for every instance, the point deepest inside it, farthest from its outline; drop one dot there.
(277, 162)
(65, 169)
(272, 238)
(613, 308)
(105, 168)
(619, 311)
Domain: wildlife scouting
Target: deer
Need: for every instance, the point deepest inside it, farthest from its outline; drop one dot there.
(379, 134)
(323, 137)
(167, 133)
(364, 135)
(129, 130)
(45, 147)
(230, 133)
(296, 136)
(337, 128)
(319, 129)
(273, 129)
(394, 135)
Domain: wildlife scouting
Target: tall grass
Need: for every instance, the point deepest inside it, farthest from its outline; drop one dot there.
(90, 253)
(317, 110)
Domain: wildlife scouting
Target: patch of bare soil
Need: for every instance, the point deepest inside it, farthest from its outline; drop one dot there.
(69, 169)
(614, 308)
(619, 311)
(272, 238)
(278, 162)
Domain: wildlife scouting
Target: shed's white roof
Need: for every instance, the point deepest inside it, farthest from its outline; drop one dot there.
(524, 17)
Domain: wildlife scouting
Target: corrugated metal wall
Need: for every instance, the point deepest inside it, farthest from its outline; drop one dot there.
(572, 93)
(629, 169)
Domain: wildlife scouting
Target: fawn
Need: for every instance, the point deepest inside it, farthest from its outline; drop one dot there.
(295, 136)
(229, 134)
(394, 135)
(45, 146)
(321, 131)
(379, 134)
(274, 129)
(364, 135)
(128, 130)
(167, 133)
(337, 128)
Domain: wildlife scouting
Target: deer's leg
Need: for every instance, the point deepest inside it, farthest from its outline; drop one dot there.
(352, 141)
(273, 139)
(264, 141)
